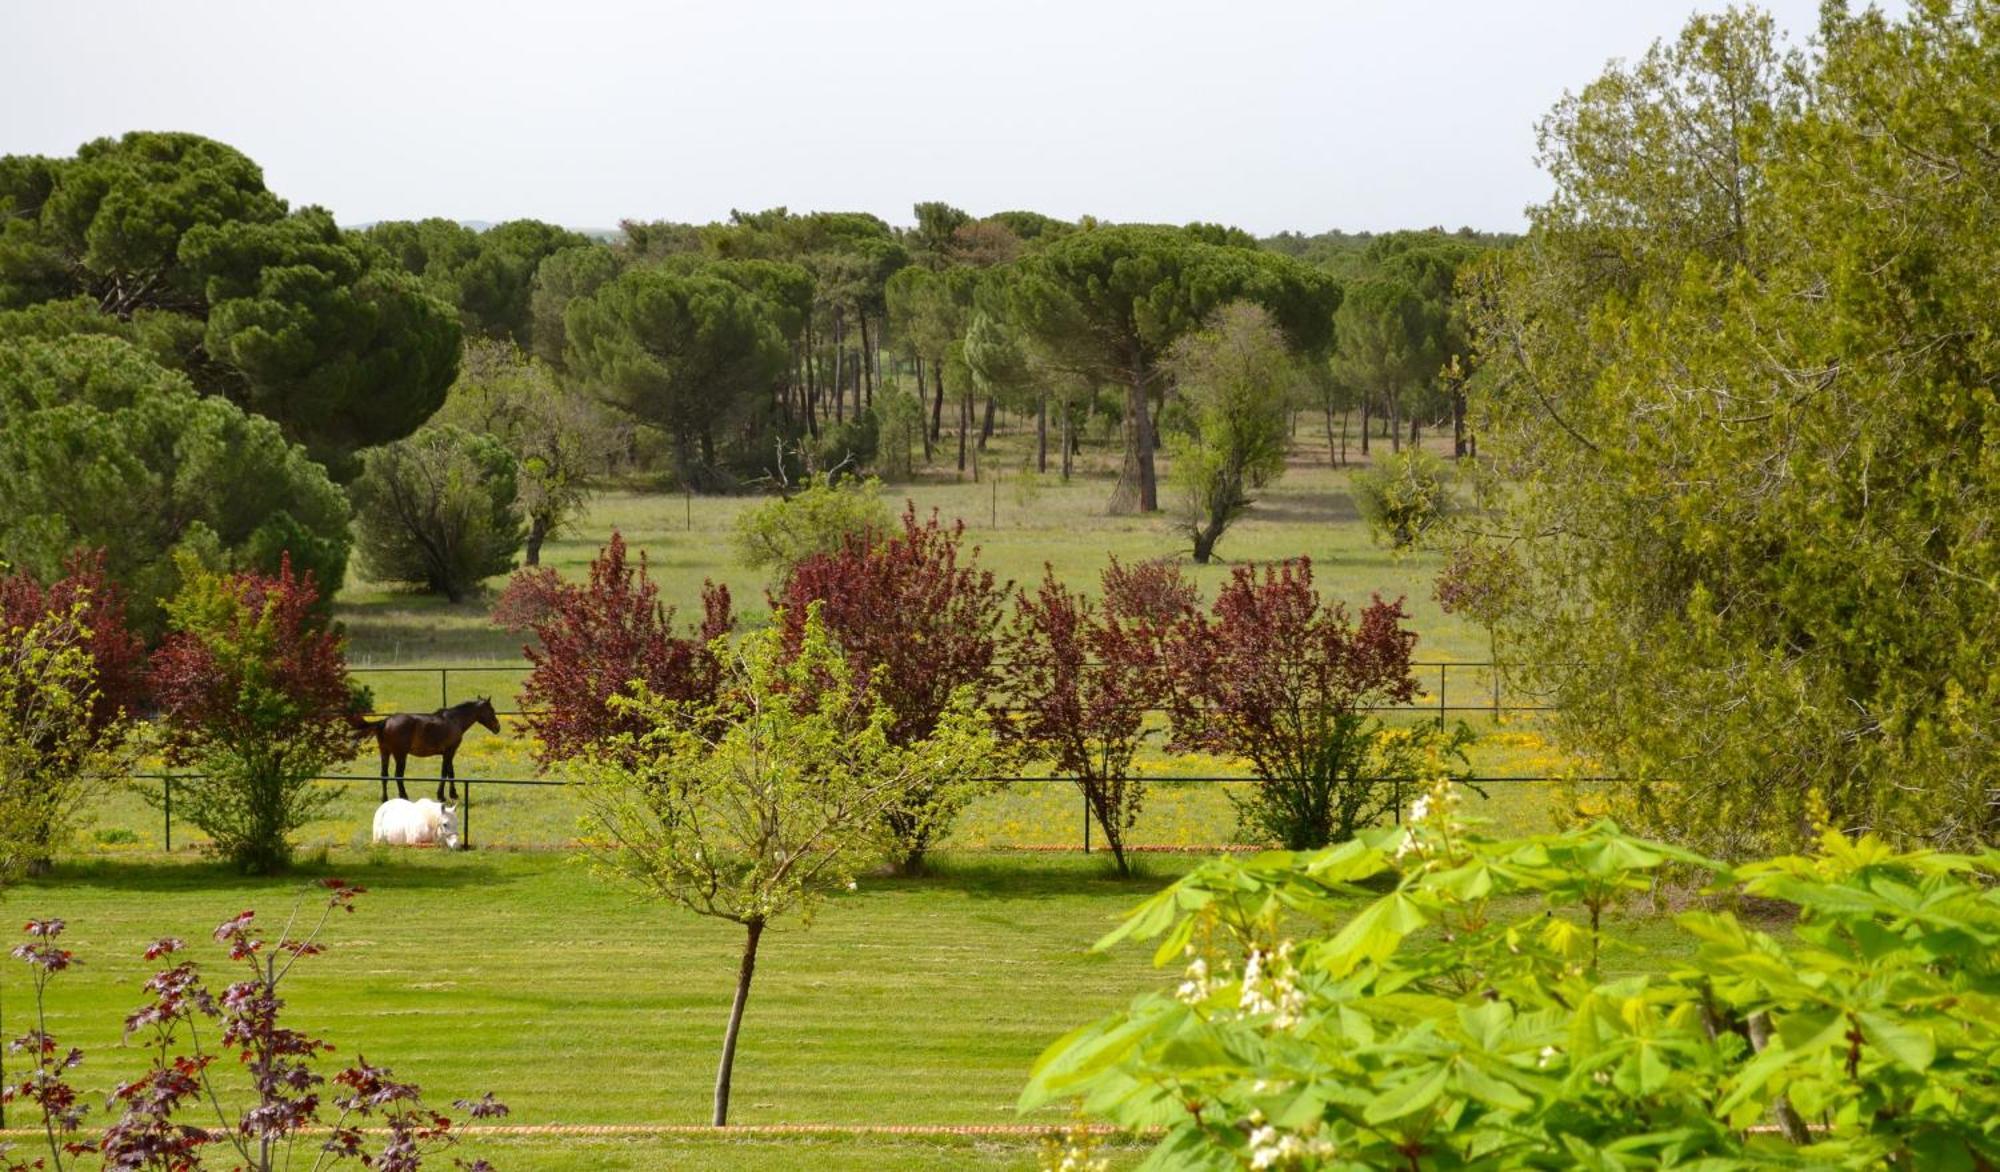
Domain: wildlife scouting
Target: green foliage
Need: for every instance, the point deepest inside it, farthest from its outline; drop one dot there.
(562, 277)
(1235, 379)
(1742, 399)
(899, 434)
(826, 514)
(53, 753)
(690, 354)
(342, 351)
(1403, 497)
(1467, 1018)
(559, 438)
(1109, 303)
(176, 238)
(102, 447)
(438, 510)
(489, 276)
(768, 800)
(254, 694)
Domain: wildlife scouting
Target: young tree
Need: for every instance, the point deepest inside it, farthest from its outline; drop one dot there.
(1404, 497)
(73, 674)
(1285, 679)
(598, 639)
(1236, 378)
(253, 692)
(1082, 679)
(438, 510)
(782, 532)
(559, 439)
(909, 615)
(764, 801)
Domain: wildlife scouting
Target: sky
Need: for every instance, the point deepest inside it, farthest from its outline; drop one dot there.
(1363, 115)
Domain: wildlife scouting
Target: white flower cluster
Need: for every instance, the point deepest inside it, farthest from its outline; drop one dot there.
(1435, 805)
(1271, 1148)
(1270, 985)
(1197, 987)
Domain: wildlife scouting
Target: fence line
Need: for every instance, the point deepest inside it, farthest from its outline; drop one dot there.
(1493, 698)
(465, 784)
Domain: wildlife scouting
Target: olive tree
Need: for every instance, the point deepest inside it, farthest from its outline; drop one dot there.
(1236, 379)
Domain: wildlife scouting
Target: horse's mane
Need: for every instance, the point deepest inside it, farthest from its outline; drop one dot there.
(460, 706)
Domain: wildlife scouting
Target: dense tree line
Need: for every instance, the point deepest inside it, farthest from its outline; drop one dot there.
(158, 268)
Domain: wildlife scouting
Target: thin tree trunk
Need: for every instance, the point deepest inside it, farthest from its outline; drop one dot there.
(937, 404)
(1042, 433)
(1416, 430)
(867, 362)
(986, 428)
(1458, 424)
(1328, 407)
(1068, 447)
(839, 380)
(1344, 413)
(752, 931)
(920, 409)
(1367, 401)
(964, 426)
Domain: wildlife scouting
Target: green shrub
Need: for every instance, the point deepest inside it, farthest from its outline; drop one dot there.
(1403, 497)
(781, 532)
(438, 510)
(1471, 1017)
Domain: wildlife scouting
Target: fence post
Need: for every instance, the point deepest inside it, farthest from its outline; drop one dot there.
(168, 807)
(1441, 671)
(444, 687)
(1496, 687)
(1086, 824)
(1397, 805)
(465, 825)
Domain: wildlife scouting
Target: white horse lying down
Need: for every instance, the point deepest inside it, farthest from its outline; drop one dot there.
(400, 822)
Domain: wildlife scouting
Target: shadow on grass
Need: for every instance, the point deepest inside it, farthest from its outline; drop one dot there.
(157, 874)
(1033, 876)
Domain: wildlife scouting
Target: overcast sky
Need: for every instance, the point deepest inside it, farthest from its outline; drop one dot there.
(1305, 114)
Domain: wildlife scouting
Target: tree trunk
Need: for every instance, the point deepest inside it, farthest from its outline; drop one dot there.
(538, 529)
(1331, 461)
(867, 362)
(920, 411)
(964, 426)
(752, 931)
(937, 404)
(1416, 430)
(1458, 424)
(839, 381)
(1042, 433)
(1344, 413)
(1068, 448)
(1366, 403)
(986, 428)
(1137, 491)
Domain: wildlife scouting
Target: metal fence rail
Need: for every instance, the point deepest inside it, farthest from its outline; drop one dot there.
(465, 785)
(1490, 695)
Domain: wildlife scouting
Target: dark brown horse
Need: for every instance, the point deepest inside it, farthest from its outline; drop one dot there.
(412, 734)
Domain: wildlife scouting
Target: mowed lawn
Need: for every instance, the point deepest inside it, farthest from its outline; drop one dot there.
(907, 1002)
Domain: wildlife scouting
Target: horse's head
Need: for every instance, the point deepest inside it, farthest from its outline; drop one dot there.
(448, 828)
(484, 714)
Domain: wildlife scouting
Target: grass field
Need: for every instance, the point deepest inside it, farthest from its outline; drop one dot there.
(907, 1002)
(911, 1002)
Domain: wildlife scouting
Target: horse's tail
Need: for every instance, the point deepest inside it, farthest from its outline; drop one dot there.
(363, 727)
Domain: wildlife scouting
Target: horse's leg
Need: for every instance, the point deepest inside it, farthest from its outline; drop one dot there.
(385, 770)
(402, 759)
(447, 775)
